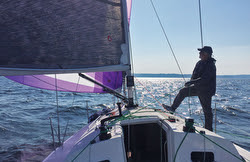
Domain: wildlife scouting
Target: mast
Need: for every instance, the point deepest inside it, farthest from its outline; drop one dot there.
(130, 78)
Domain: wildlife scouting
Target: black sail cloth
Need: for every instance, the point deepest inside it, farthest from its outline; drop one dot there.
(60, 34)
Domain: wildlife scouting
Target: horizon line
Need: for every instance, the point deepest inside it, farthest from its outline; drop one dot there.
(187, 74)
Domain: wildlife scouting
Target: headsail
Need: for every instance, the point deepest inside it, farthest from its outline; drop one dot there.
(129, 7)
(72, 82)
(47, 37)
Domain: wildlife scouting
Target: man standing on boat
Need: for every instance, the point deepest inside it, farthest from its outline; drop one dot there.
(202, 84)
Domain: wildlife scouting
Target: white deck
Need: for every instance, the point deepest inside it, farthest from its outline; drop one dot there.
(114, 149)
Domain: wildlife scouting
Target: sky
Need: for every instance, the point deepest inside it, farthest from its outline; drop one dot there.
(225, 24)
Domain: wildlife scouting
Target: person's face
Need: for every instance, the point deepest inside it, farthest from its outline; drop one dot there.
(204, 55)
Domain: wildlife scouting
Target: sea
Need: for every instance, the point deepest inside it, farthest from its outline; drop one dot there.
(26, 112)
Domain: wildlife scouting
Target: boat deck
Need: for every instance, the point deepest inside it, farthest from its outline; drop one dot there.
(146, 135)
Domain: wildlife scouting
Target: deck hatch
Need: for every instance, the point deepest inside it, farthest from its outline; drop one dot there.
(200, 156)
(145, 142)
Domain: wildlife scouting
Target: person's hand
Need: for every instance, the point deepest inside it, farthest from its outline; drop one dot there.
(187, 84)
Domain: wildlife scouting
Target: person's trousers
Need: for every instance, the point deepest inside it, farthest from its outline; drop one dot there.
(205, 101)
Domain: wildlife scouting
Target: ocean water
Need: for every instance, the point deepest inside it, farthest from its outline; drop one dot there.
(25, 131)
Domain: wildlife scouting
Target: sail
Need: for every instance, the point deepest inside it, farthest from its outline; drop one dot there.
(72, 82)
(129, 7)
(67, 36)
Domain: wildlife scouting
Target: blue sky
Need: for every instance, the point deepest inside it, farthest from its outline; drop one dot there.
(226, 27)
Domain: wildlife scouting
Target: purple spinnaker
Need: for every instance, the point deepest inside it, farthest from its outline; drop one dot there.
(129, 7)
(62, 82)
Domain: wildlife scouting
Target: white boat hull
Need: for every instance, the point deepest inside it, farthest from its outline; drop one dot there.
(147, 135)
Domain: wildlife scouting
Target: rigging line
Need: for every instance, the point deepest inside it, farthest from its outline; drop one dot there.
(236, 135)
(76, 90)
(218, 145)
(131, 56)
(181, 144)
(57, 111)
(169, 44)
(149, 92)
(158, 100)
(231, 107)
(169, 41)
(189, 101)
(130, 50)
(236, 128)
(155, 99)
(86, 147)
(135, 94)
(34, 76)
(132, 63)
(200, 23)
(52, 133)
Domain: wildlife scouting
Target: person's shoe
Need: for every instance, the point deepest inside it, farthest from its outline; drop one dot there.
(168, 108)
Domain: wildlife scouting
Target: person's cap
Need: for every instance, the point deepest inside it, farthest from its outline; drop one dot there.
(207, 49)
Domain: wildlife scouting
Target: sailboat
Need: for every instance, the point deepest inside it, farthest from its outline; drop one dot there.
(51, 44)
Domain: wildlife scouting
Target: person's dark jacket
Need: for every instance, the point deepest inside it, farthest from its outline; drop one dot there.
(204, 77)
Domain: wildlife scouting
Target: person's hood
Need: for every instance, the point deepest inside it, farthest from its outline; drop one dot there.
(211, 59)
